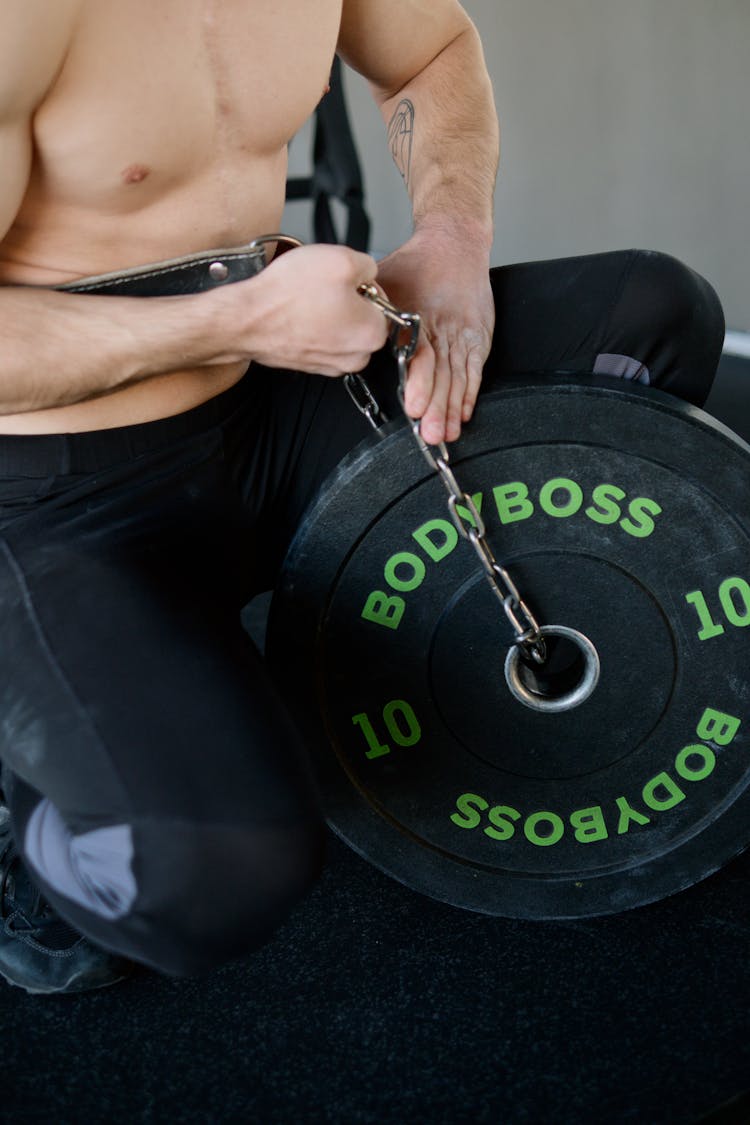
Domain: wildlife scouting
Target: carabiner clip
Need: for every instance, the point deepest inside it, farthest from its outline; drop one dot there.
(402, 321)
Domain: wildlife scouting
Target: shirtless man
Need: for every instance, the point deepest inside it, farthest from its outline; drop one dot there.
(137, 132)
(156, 454)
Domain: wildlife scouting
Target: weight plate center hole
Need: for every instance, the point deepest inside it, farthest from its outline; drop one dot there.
(561, 672)
(564, 680)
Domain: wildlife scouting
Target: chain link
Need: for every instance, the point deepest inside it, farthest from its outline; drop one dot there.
(470, 525)
(364, 400)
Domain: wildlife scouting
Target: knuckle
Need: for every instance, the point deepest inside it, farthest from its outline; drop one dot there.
(358, 361)
(335, 261)
(379, 334)
(357, 265)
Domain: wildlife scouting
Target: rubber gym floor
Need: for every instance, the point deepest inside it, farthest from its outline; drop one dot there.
(376, 1005)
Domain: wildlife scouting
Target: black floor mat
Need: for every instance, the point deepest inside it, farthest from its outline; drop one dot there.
(376, 1005)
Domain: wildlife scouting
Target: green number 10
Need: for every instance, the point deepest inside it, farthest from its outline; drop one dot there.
(734, 595)
(400, 722)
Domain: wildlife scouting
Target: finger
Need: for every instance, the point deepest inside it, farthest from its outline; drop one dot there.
(458, 385)
(433, 423)
(354, 363)
(364, 269)
(475, 370)
(371, 323)
(420, 381)
(381, 332)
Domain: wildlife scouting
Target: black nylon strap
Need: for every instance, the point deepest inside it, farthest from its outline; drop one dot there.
(336, 172)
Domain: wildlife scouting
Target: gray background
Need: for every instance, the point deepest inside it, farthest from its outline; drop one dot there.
(624, 123)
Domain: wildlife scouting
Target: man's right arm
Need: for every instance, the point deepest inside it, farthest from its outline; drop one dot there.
(59, 348)
(302, 312)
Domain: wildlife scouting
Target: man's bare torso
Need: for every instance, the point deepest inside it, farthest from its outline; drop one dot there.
(164, 133)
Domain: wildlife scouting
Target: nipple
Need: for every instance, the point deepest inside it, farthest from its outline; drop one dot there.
(134, 173)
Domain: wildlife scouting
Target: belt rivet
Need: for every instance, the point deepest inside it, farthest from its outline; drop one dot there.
(218, 271)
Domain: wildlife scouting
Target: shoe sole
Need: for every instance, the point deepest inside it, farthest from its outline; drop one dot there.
(76, 984)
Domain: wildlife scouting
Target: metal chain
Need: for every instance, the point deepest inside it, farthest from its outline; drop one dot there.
(470, 526)
(359, 392)
(364, 400)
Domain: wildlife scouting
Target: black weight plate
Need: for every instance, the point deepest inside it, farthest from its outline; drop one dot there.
(620, 512)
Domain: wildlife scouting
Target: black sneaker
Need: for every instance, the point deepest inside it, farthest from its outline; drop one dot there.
(38, 951)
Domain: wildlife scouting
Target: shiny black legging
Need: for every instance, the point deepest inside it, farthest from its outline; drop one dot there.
(158, 790)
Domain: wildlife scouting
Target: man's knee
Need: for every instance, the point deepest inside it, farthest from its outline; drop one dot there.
(668, 324)
(222, 894)
(181, 897)
(673, 296)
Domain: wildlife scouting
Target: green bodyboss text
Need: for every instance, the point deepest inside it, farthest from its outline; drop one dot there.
(559, 498)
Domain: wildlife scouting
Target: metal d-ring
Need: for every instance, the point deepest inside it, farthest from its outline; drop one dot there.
(287, 241)
(568, 700)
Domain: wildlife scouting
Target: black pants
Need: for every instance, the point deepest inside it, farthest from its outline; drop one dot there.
(158, 791)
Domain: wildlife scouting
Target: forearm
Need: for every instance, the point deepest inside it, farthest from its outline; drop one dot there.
(59, 348)
(302, 312)
(425, 65)
(444, 138)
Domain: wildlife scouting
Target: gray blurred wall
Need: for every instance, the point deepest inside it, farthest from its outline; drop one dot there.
(624, 123)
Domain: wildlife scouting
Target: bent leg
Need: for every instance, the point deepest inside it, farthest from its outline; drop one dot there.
(633, 314)
(157, 789)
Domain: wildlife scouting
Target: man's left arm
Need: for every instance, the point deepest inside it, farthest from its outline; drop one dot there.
(426, 68)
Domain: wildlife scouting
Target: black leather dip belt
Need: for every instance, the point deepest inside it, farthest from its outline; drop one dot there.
(178, 277)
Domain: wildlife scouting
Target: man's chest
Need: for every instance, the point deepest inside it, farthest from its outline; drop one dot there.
(167, 89)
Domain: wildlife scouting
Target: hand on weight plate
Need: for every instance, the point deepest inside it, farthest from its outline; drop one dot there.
(447, 282)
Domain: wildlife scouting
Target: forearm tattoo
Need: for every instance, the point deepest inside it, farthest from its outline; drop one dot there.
(401, 136)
